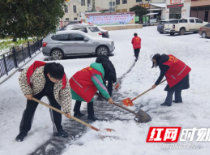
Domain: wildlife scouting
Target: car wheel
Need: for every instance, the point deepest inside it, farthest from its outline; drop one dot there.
(57, 54)
(171, 33)
(102, 50)
(203, 35)
(182, 31)
(161, 32)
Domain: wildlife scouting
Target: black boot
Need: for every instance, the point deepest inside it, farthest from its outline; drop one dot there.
(164, 104)
(78, 114)
(92, 118)
(91, 115)
(21, 136)
(177, 101)
(61, 133)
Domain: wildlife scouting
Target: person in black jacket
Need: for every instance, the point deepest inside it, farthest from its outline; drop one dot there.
(111, 77)
(158, 60)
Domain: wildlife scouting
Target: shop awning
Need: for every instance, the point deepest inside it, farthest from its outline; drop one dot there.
(160, 5)
(150, 14)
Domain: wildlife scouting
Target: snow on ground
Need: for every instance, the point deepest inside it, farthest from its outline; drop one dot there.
(131, 140)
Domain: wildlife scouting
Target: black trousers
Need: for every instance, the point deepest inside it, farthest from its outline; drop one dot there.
(136, 52)
(89, 107)
(31, 106)
(178, 97)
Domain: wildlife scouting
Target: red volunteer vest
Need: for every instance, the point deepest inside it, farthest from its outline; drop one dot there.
(136, 41)
(177, 71)
(33, 67)
(81, 83)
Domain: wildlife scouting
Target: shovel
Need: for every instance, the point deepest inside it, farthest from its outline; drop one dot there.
(128, 101)
(116, 86)
(141, 116)
(74, 118)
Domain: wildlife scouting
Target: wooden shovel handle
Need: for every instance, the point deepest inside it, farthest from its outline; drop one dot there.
(124, 108)
(146, 91)
(117, 104)
(61, 112)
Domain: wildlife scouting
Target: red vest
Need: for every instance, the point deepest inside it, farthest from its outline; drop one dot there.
(177, 71)
(81, 83)
(136, 41)
(33, 67)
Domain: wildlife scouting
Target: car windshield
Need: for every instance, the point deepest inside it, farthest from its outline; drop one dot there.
(94, 29)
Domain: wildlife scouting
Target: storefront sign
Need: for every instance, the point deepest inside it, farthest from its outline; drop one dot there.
(175, 6)
(145, 5)
(175, 1)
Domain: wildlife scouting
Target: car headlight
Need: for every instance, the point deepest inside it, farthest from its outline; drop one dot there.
(111, 43)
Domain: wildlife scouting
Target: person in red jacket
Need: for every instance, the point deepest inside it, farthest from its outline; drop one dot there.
(136, 41)
(176, 73)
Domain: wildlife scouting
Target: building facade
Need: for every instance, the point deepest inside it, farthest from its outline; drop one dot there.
(156, 8)
(200, 9)
(72, 11)
(176, 9)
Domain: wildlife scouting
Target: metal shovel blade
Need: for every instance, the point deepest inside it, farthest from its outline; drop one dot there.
(142, 117)
(127, 102)
(117, 86)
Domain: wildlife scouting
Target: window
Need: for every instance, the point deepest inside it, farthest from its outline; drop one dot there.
(67, 19)
(113, 4)
(81, 29)
(82, 2)
(183, 21)
(110, 3)
(73, 22)
(162, 22)
(75, 19)
(66, 8)
(208, 25)
(192, 21)
(78, 37)
(117, 2)
(88, 2)
(198, 21)
(173, 21)
(94, 29)
(138, 0)
(62, 37)
(124, 1)
(75, 8)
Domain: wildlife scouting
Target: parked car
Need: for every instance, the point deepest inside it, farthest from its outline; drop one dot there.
(105, 33)
(74, 42)
(90, 29)
(205, 31)
(160, 27)
(190, 24)
(74, 22)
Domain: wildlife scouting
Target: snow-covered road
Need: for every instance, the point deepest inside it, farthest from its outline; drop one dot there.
(193, 112)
